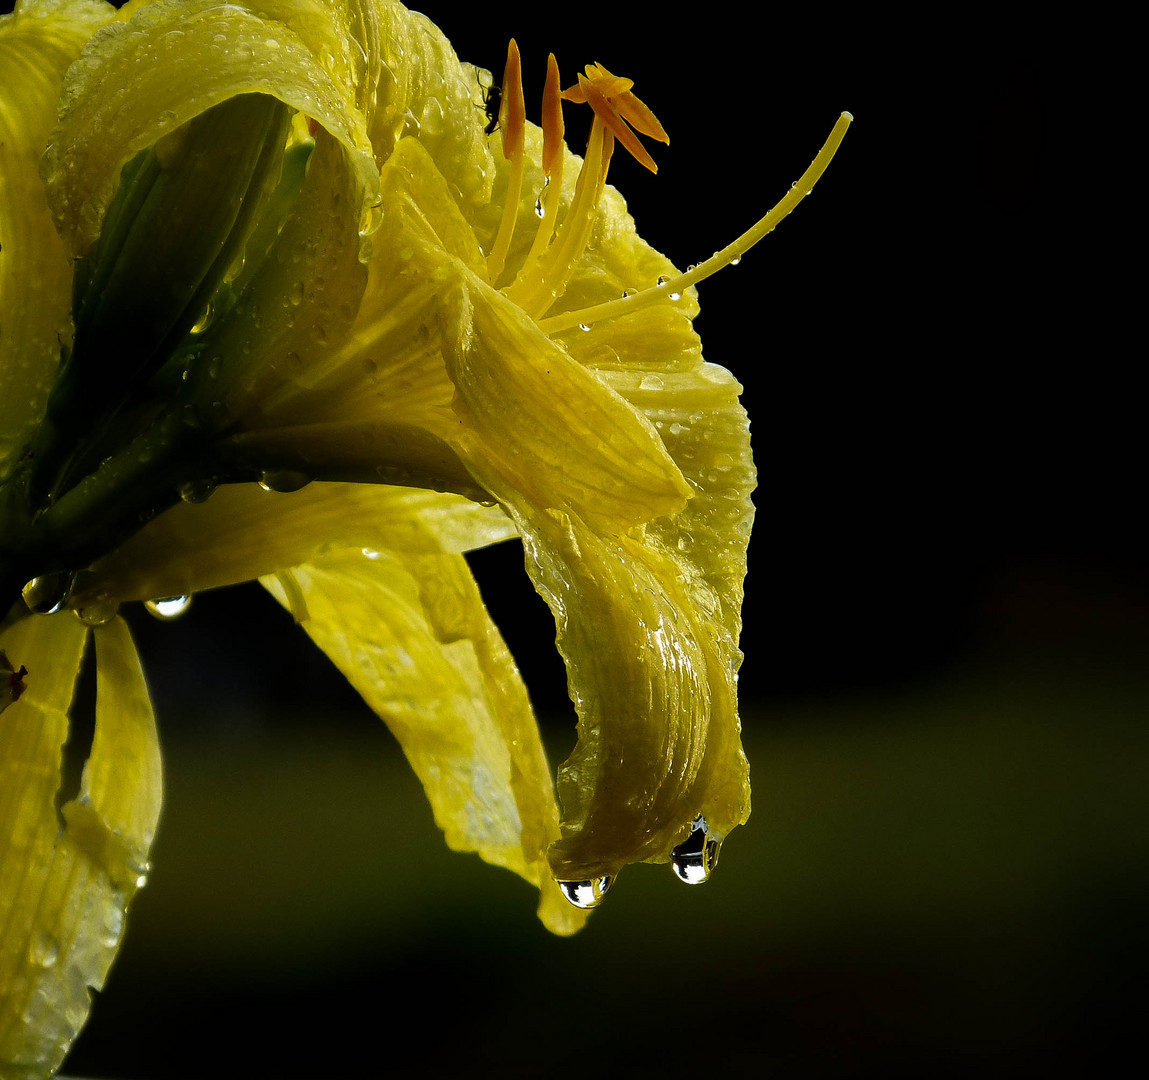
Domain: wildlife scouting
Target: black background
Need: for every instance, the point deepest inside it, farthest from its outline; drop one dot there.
(946, 618)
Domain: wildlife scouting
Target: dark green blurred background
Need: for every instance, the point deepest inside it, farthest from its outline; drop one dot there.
(944, 694)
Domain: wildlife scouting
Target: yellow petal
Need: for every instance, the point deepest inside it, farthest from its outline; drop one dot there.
(243, 532)
(411, 634)
(36, 46)
(446, 348)
(67, 888)
(142, 79)
(425, 91)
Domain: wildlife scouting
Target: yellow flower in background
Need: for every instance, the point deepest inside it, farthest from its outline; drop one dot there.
(274, 305)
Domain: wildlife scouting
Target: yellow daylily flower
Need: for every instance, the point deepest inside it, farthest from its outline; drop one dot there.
(277, 306)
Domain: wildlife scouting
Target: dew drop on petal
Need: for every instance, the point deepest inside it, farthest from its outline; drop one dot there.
(46, 594)
(44, 950)
(586, 894)
(205, 319)
(197, 490)
(168, 607)
(97, 610)
(695, 858)
(584, 326)
(283, 480)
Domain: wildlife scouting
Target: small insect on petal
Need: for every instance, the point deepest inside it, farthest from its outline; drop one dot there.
(11, 681)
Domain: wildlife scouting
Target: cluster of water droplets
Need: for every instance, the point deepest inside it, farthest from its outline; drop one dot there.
(693, 861)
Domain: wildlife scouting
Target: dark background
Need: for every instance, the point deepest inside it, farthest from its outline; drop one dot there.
(946, 617)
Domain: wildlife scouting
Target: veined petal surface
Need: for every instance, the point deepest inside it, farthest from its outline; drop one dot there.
(243, 532)
(37, 43)
(141, 79)
(69, 874)
(412, 636)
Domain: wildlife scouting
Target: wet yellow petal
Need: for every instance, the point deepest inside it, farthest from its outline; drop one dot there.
(243, 532)
(410, 633)
(36, 46)
(453, 349)
(652, 673)
(425, 92)
(141, 79)
(67, 888)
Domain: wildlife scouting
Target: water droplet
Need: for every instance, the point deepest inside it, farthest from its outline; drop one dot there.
(44, 950)
(675, 295)
(695, 858)
(46, 594)
(97, 610)
(283, 480)
(651, 382)
(584, 326)
(735, 261)
(627, 293)
(662, 279)
(539, 211)
(114, 927)
(586, 894)
(205, 320)
(370, 219)
(197, 490)
(168, 607)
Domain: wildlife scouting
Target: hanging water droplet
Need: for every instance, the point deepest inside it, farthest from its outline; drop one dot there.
(46, 594)
(586, 894)
(735, 261)
(675, 295)
(97, 610)
(283, 480)
(168, 607)
(539, 211)
(695, 858)
(662, 279)
(197, 490)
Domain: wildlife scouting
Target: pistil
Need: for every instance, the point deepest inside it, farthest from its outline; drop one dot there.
(671, 289)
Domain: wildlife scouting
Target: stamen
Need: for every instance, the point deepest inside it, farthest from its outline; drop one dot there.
(512, 121)
(610, 97)
(558, 262)
(615, 124)
(529, 273)
(729, 254)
